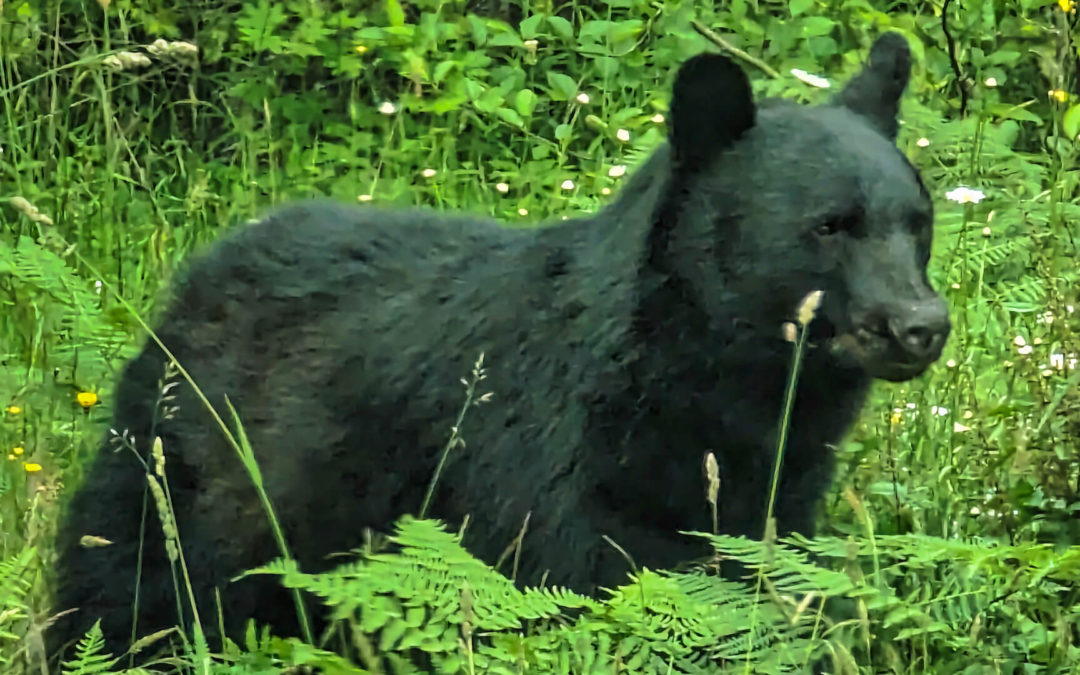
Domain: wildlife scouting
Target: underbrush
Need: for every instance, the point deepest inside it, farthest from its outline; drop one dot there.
(133, 132)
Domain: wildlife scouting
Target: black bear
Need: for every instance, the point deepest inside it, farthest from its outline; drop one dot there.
(619, 348)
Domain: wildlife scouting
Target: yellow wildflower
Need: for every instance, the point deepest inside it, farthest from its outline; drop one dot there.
(360, 49)
(87, 399)
(1058, 95)
(11, 457)
(895, 417)
(1066, 5)
(18, 450)
(13, 409)
(31, 467)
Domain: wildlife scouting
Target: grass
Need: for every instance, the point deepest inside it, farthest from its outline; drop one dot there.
(137, 167)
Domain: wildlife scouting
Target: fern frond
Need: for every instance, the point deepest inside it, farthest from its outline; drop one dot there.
(90, 657)
(74, 315)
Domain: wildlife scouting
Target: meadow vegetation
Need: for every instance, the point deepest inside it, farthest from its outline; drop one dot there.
(131, 133)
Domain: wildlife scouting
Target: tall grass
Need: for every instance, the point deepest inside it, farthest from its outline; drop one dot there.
(131, 167)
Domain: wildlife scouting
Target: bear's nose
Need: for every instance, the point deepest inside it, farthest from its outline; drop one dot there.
(921, 330)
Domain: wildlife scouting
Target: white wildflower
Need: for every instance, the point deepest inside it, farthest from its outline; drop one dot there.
(812, 80)
(965, 195)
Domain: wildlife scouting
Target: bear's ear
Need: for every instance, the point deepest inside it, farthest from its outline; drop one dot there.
(711, 107)
(875, 92)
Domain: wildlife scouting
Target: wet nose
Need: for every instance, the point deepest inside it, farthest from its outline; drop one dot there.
(922, 329)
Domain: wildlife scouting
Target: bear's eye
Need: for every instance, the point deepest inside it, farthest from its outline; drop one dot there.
(825, 229)
(846, 223)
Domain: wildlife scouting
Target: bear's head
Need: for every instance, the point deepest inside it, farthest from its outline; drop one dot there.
(774, 200)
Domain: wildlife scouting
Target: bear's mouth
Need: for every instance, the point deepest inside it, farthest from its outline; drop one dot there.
(877, 354)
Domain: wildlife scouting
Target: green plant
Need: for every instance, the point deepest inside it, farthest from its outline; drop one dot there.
(959, 491)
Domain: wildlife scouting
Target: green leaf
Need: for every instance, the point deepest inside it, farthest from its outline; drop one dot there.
(815, 26)
(1071, 122)
(506, 40)
(391, 634)
(395, 15)
(594, 31)
(442, 70)
(510, 116)
(479, 30)
(562, 132)
(530, 27)
(797, 7)
(444, 104)
(561, 27)
(473, 89)
(563, 86)
(1015, 112)
(525, 102)
(490, 101)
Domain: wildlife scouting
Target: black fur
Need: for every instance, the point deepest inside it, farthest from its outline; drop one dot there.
(620, 349)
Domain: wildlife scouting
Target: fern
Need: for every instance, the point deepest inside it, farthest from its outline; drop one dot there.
(965, 602)
(14, 587)
(429, 606)
(429, 603)
(72, 312)
(89, 657)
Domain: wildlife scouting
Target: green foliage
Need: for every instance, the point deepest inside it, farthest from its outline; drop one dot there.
(956, 496)
(90, 658)
(61, 303)
(14, 610)
(971, 605)
(429, 606)
(429, 601)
